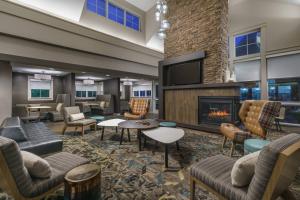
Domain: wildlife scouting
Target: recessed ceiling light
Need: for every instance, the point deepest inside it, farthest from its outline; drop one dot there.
(107, 75)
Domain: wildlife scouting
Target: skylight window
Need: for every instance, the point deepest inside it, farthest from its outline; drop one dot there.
(132, 21)
(115, 14)
(97, 6)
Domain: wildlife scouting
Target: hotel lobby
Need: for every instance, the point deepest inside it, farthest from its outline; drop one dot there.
(149, 99)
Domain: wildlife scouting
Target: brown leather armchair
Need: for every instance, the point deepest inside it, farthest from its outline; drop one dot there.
(257, 116)
(139, 108)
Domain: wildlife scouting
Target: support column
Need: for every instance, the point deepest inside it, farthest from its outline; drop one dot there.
(263, 66)
(69, 87)
(5, 90)
(112, 86)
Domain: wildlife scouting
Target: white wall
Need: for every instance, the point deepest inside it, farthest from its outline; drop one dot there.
(282, 20)
(69, 9)
(5, 90)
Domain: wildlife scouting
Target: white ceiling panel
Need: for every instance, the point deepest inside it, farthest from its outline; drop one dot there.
(144, 5)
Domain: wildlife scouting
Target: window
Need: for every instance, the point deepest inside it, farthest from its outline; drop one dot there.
(142, 93)
(250, 91)
(247, 44)
(284, 89)
(86, 91)
(97, 6)
(92, 93)
(136, 93)
(40, 89)
(132, 21)
(149, 93)
(115, 14)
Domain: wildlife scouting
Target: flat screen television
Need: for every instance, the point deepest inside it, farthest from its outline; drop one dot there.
(185, 73)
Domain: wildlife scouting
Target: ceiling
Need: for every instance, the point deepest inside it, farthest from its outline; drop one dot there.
(144, 5)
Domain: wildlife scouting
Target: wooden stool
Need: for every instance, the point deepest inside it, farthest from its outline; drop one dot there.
(83, 182)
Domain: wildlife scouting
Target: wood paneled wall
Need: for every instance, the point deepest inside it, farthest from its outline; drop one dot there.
(182, 105)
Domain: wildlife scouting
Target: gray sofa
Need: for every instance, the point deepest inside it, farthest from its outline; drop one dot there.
(32, 137)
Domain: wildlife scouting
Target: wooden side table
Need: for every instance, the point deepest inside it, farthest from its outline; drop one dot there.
(83, 182)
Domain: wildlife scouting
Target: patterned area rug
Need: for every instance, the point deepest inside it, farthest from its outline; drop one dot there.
(133, 175)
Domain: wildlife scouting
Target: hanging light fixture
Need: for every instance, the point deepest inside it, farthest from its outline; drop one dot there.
(162, 34)
(161, 11)
(165, 24)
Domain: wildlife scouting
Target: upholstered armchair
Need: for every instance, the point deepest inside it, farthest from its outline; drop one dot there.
(80, 123)
(57, 115)
(257, 117)
(16, 181)
(275, 169)
(62, 100)
(106, 105)
(139, 108)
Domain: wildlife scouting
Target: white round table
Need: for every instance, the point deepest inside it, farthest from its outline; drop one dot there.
(166, 136)
(110, 123)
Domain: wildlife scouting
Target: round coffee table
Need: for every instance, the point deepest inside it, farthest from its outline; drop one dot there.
(109, 123)
(83, 182)
(166, 136)
(139, 125)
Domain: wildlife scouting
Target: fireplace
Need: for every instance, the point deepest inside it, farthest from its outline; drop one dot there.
(217, 110)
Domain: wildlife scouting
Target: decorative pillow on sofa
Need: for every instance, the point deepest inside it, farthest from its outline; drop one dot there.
(243, 170)
(13, 128)
(78, 116)
(36, 166)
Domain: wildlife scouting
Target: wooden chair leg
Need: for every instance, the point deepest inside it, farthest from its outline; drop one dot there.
(64, 129)
(224, 142)
(82, 131)
(232, 148)
(192, 188)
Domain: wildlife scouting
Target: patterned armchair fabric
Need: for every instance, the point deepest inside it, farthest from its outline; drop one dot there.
(257, 116)
(139, 108)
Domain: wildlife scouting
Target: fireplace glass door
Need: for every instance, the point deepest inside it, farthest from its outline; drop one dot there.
(216, 110)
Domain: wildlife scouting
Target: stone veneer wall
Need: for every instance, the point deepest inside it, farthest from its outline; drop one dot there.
(200, 25)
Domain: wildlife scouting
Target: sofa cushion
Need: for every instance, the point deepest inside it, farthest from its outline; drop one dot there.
(82, 122)
(41, 140)
(13, 128)
(36, 166)
(215, 172)
(75, 117)
(60, 163)
(243, 170)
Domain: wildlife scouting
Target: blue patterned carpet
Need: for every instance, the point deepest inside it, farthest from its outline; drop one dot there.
(133, 175)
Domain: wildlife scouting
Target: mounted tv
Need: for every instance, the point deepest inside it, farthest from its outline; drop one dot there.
(187, 73)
